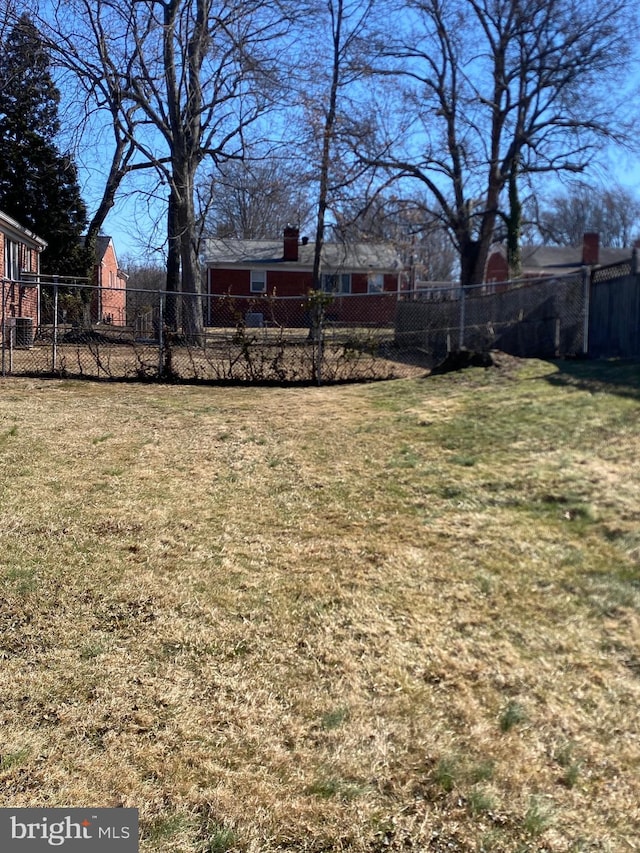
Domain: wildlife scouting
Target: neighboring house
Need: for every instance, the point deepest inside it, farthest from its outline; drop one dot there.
(109, 304)
(258, 269)
(546, 261)
(20, 251)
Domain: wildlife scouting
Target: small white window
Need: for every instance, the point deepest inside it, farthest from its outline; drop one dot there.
(12, 260)
(375, 282)
(258, 281)
(336, 282)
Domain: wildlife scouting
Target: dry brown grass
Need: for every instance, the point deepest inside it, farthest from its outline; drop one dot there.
(378, 617)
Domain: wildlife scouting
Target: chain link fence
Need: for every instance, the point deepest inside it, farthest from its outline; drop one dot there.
(72, 329)
(544, 318)
(62, 329)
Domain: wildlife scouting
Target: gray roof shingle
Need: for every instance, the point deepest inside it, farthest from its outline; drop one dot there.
(336, 257)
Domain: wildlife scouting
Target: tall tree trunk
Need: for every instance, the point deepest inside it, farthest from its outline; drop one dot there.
(171, 319)
(469, 252)
(184, 119)
(337, 13)
(481, 253)
(185, 217)
(478, 248)
(514, 224)
(192, 314)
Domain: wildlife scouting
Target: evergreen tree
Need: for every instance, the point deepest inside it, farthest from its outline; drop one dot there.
(38, 184)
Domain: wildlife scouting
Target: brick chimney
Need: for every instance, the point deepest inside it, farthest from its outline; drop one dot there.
(590, 249)
(291, 237)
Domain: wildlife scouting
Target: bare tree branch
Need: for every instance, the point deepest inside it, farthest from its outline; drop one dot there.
(497, 90)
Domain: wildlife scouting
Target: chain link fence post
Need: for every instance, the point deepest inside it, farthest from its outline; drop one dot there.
(320, 345)
(54, 344)
(160, 334)
(462, 317)
(317, 302)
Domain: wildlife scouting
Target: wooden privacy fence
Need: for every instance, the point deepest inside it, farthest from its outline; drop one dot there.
(614, 317)
(541, 318)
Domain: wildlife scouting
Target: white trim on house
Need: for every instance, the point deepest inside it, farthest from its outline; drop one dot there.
(17, 233)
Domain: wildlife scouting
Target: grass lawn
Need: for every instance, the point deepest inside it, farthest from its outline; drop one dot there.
(385, 617)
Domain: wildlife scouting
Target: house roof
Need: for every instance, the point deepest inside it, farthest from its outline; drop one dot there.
(352, 257)
(102, 244)
(540, 260)
(566, 258)
(20, 233)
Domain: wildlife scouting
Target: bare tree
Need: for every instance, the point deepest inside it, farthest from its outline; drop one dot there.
(613, 212)
(9, 15)
(78, 35)
(343, 28)
(186, 80)
(492, 91)
(420, 239)
(254, 199)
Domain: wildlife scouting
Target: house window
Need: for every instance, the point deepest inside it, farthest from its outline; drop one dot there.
(27, 261)
(258, 281)
(12, 260)
(375, 282)
(336, 282)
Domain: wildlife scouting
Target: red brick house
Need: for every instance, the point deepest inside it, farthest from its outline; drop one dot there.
(363, 278)
(20, 251)
(109, 304)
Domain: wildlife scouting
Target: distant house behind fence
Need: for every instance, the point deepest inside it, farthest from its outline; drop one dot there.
(258, 270)
(109, 304)
(540, 261)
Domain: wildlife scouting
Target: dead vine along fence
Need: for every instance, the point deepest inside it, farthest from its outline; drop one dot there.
(314, 339)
